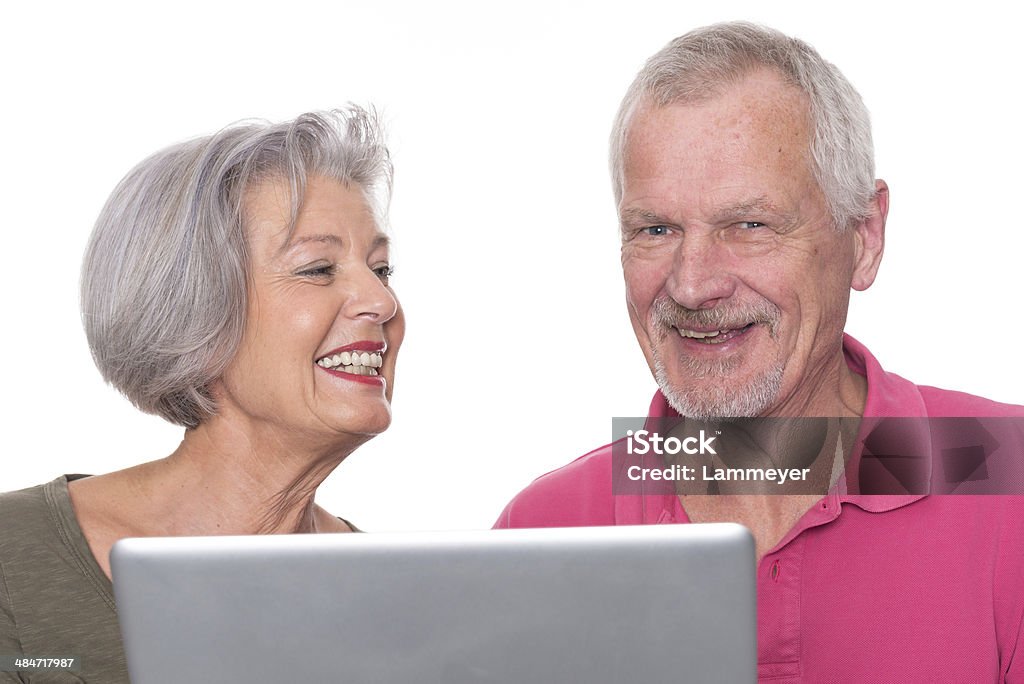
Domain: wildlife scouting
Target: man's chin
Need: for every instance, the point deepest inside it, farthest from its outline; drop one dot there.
(712, 397)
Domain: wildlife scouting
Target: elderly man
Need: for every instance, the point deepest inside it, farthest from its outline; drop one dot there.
(743, 170)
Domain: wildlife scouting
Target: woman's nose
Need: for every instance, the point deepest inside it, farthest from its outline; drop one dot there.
(369, 297)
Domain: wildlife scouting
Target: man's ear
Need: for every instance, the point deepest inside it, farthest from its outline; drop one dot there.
(869, 237)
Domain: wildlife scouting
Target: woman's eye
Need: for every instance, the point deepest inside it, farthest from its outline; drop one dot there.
(320, 271)
(384, 272)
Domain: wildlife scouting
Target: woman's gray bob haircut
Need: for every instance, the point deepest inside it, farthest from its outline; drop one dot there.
(164, 280)
(697, 66)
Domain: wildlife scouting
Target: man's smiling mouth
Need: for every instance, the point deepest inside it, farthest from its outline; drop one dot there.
(356, 363)
(713, 336)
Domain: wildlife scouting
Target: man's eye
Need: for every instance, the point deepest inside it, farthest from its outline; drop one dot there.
(750, 225)
(384, 272)
(656, 231)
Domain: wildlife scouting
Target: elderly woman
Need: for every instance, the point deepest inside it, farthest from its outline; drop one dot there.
(236, 285)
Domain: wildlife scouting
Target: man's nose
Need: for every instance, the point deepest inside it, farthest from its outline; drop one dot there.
(701, 274)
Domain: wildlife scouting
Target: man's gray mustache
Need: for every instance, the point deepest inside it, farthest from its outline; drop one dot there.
(667, 314)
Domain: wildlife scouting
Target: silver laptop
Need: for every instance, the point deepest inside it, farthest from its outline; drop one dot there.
(659, 603)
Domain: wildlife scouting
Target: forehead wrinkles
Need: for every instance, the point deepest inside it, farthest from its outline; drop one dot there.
(760, 122)
(266, 216)
(769, 107)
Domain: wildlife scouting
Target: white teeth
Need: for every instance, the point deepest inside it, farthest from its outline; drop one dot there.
(359, 370)
(699, 335)
(358, 363)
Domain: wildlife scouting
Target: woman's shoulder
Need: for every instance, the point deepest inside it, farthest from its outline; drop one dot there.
(40, 533)
(53, 599)
(33, 512)
(40, 528)
(351, 527)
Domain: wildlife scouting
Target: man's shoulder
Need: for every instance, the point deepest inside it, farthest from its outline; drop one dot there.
(944, 403)
(890, 394)
(577, 494)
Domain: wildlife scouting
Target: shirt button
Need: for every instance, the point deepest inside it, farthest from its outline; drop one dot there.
(775, 571)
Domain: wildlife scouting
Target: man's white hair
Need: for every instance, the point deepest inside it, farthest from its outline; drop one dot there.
(700, 64)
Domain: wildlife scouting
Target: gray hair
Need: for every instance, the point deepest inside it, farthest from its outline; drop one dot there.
(694, 67)
(164, 280)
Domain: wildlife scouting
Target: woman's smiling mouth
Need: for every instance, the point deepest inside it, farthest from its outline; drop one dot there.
(359, 361)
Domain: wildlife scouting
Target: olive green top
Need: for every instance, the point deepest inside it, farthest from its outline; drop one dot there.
(55, 601)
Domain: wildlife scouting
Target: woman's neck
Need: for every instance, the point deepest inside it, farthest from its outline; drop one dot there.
(241, 480)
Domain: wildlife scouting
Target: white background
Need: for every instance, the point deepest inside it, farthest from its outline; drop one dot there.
(518, 350)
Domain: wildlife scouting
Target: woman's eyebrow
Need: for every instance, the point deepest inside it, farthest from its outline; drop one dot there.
(326, 237)
(380, 240)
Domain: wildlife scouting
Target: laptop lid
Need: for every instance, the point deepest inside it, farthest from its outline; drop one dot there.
(655, 603)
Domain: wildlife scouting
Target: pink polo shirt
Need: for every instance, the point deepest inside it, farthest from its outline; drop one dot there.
(864, 588)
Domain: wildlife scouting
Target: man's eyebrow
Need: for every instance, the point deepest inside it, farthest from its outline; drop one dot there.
(756, 205)
(634, 215)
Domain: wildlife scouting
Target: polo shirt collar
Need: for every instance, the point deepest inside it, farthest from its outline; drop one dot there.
(889, 396)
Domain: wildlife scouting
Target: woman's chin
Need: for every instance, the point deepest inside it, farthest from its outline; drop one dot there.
(366, 424)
